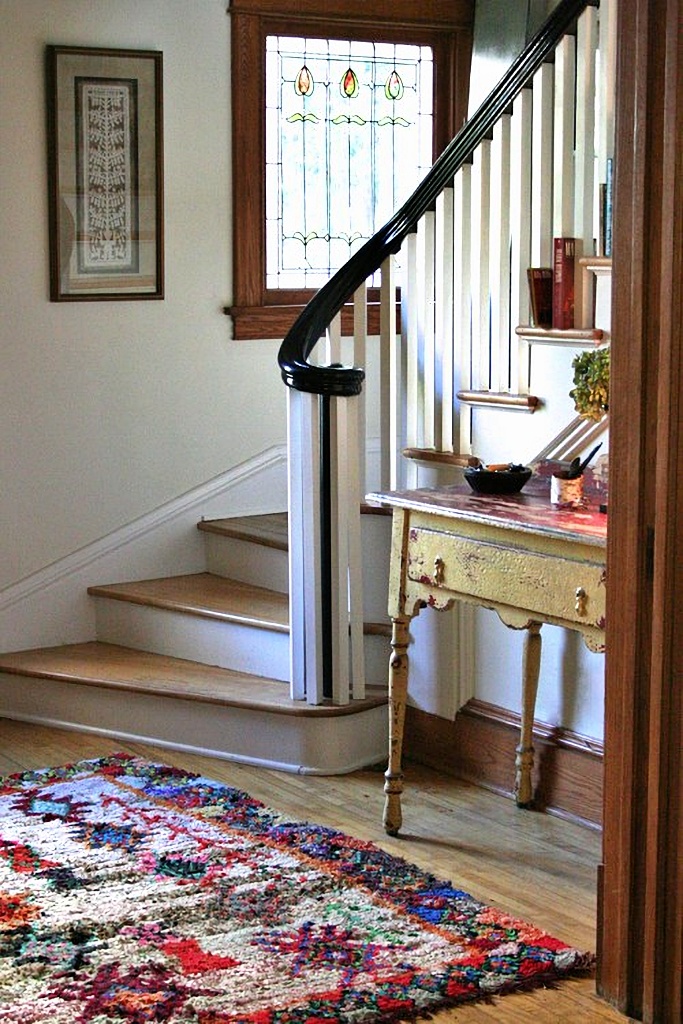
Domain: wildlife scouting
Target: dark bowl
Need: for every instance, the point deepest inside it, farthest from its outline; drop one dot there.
(497, 481)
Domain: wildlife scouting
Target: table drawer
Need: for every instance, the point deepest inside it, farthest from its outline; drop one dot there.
(560, 588)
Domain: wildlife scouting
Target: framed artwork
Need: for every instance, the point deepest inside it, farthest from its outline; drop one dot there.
(105, 173)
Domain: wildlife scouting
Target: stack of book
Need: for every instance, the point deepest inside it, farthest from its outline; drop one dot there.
(551, 289)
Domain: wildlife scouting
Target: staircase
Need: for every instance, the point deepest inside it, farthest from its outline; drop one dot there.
(455, 341)
(201, 662)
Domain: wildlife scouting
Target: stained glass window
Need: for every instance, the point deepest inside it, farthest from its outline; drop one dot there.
(348, 137)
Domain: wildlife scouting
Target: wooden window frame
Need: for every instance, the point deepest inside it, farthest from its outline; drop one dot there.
(259, 312)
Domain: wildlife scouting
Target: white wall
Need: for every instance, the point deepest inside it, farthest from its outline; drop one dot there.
(110, 409)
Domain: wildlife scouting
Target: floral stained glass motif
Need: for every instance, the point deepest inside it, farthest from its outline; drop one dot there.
(348, 138)
(303, 84)
(349, 84)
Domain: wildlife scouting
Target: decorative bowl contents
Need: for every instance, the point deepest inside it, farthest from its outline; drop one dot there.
(501, 479)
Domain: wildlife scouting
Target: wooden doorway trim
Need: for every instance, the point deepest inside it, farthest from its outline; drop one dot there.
(641, 893)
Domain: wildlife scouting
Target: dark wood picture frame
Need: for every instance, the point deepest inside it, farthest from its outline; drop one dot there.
(105, 173)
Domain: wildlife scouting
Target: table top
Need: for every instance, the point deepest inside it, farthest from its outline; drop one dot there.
(529, 511)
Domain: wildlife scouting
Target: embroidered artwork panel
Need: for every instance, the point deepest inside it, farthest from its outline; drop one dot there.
(107, 186)
(105, 173)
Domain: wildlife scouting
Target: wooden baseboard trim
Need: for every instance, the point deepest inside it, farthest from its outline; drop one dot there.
(479, 746)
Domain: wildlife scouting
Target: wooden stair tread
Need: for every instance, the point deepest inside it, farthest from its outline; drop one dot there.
(269, 530)
(207, 595)
(122, 668)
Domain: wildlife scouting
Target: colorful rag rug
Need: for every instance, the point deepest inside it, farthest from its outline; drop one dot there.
(132, 891)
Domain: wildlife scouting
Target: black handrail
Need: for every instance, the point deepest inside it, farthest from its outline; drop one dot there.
(309, 327)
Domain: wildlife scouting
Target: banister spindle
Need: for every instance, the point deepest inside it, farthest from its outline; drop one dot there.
(563, 135)
(360, 342)
(410, 297)
(520, 232)
(542, 168)
(500, 256)
(427, 333)
(462, 297)
(481, 232)
(390, 385)
(443, 291)
(585, 195)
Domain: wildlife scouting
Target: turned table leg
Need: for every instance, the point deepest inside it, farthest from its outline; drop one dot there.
(524, 760)
(398, 691)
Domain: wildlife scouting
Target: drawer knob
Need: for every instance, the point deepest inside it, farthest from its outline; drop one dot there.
(581, 601)
(439, 571)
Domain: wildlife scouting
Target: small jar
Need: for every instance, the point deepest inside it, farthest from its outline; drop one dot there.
(566, 492)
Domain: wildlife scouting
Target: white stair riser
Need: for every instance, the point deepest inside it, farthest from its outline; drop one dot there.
(247, 561)
(251, 562)
(377, 651)
(245, 648)
(321, 745)
(376, 547)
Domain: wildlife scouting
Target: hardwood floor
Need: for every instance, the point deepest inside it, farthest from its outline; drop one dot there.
(537, 867)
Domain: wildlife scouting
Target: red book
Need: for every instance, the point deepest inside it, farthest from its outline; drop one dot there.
(563, 283)
(541, 295)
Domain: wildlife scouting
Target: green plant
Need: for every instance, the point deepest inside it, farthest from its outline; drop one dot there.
(591, 383)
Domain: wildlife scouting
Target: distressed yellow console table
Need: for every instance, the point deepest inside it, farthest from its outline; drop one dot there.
(528, 561)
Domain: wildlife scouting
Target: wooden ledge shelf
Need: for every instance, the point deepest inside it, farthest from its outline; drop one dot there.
(443, 458)
(596, 264)
(500, 399)
(589, 336)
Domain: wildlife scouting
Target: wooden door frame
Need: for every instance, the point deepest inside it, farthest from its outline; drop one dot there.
(641, 890)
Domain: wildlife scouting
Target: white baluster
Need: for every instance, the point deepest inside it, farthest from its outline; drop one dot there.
(350, 472)
(360, 339)
(462, 298)
(563, 132)
(427, 338)
(586, 45)
(333, 341)
(304, 547)
(443, 290)
(542, 168)
(586, 227)
(607, 90)
(410, 333)
(346, 584)
(339, 526)
(520, 232)
(390, 396)
(481, 316)
(499, 250)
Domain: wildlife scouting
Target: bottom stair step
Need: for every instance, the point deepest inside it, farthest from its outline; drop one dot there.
(122, 668)
(132, 694)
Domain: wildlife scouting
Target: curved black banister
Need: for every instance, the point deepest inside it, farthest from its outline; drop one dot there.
(301, 339)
